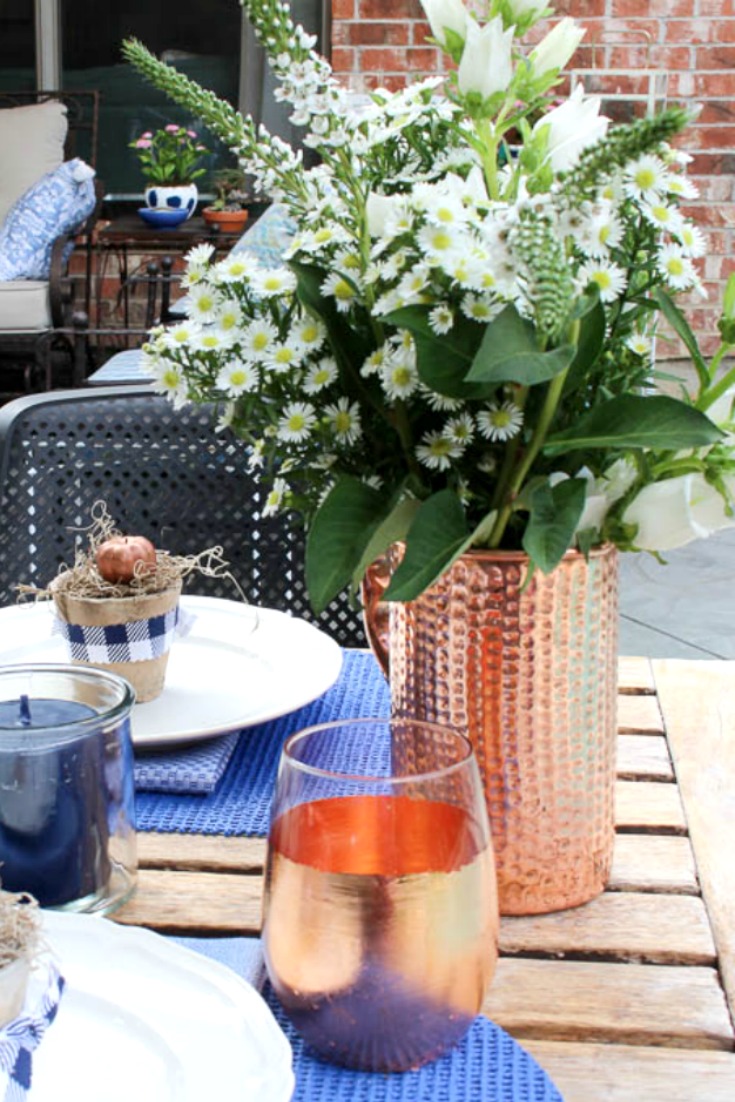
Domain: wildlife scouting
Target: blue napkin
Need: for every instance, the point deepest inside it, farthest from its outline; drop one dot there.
(194, 769)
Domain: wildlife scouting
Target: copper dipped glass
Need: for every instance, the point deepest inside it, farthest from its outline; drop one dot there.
(380, 914)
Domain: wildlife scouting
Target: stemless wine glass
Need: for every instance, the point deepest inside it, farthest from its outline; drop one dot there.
(380, 918)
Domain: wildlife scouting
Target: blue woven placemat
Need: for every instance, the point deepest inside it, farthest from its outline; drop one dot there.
(189, 769)
(240, 804)
(487, 1066)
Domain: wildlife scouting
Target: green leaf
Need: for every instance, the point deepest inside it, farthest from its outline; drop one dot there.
(589, 345)
(509, 353)
(442, 361)
(393, 527)
(680, 325)
(554, 515)
(341, 529)
(637, 421)
(436, 538)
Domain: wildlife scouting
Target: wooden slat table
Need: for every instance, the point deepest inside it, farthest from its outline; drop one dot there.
(628, 999)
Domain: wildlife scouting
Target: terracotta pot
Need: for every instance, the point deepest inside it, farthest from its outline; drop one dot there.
(531, 676)
(228, 221)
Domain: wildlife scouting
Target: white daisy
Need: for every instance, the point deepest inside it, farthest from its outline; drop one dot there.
(640, 344)
(608, 276)
(270, 282)
(676, 267)
(237, 377)
(297, 421)
(460, 429)
(437, 451)
(199, 255)
(211, 340)
(442, 403)
(319, 375)
(399, 378)
(681, 186)
(184, 332)
(275, 497)
(437, 243)
(344, 420)
(478, 307)
(441, 319)
(341, 289)
(692, 240)
(226, 417)
(257, 338)
(229, 316)
(169, 379)
(203, 303)
(663, 216)
(374, 363)
(500, 422)
(282, 356)
(605, 231)
(235, 267)
(645, 178)
(307, 333)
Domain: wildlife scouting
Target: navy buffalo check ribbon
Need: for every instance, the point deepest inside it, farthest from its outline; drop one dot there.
(136, 641)
(20, 1037)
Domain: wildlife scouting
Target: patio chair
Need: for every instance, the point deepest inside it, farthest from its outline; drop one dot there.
(47, 203)
(163, 473)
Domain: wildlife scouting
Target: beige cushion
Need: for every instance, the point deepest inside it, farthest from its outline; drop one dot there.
(24, 305)
(31, 144)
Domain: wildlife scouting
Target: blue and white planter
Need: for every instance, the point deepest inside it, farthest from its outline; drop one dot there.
(182, 197)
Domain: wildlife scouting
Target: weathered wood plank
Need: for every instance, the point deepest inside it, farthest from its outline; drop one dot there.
(670, 929)
(648, 805)
(653, 862)
(644, 757)
(635, 675)
(634, 1004)
(639, 714)
(628, 1073)
(204, 852)
(699, 708)
(202, 903)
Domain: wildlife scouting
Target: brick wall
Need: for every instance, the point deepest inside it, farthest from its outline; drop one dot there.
(381, 42)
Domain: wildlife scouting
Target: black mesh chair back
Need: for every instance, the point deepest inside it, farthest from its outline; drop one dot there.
(162, 473)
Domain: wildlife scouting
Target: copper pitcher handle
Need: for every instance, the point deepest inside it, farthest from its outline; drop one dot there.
(376, 612)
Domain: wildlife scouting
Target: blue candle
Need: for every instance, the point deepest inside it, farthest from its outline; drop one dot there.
(54, 831)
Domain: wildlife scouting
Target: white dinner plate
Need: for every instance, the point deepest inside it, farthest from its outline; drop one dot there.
(238, 665)
(144, 1019)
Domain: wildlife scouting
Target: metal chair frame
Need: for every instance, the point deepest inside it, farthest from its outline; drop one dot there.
(163, 473)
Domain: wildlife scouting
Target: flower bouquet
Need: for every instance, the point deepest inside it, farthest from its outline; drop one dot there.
(458, 350)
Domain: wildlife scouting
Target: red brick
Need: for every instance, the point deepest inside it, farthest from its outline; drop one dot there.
(343, 9)
(377, 34)
(416, 59)
(627, 9)
(344, 60)
(715, 57)
(390, 9)
(719, 9)
(691, 30)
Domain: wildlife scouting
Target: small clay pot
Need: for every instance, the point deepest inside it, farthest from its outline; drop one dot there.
(227, 221)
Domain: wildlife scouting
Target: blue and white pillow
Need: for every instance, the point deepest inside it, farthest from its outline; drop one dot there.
(58, 203)
(269, 237)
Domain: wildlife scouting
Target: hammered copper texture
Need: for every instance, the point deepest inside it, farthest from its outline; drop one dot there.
(531, 677)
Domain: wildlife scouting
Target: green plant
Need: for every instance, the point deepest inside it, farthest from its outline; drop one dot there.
(170, 156)
(231, 188)
(458, 351)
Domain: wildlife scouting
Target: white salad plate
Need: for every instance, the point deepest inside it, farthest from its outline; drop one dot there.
(238, 665)
(146, 1019)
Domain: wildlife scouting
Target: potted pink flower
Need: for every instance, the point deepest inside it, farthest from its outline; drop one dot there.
(170, 160)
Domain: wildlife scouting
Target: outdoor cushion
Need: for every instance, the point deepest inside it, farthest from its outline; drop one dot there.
(57, 203)
(31, 144)
(269, 238)
(24, 304)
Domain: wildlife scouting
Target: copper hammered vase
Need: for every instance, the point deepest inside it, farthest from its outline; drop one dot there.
(531, 677)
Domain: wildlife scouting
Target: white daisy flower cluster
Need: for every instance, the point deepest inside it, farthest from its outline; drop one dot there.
(463, 328)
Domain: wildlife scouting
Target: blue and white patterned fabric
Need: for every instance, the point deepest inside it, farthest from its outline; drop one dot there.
(269, 238)
(135, 641)
(20, 1037)
(56, 204)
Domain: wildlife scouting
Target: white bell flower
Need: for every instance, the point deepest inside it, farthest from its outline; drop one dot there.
(573, 126)
(446, 15)
(676, 511)
(555, 50)
(486, 66)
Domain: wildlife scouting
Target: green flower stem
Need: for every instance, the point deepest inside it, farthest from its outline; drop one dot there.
(540, 432)
(489, 155)
(671, 467)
